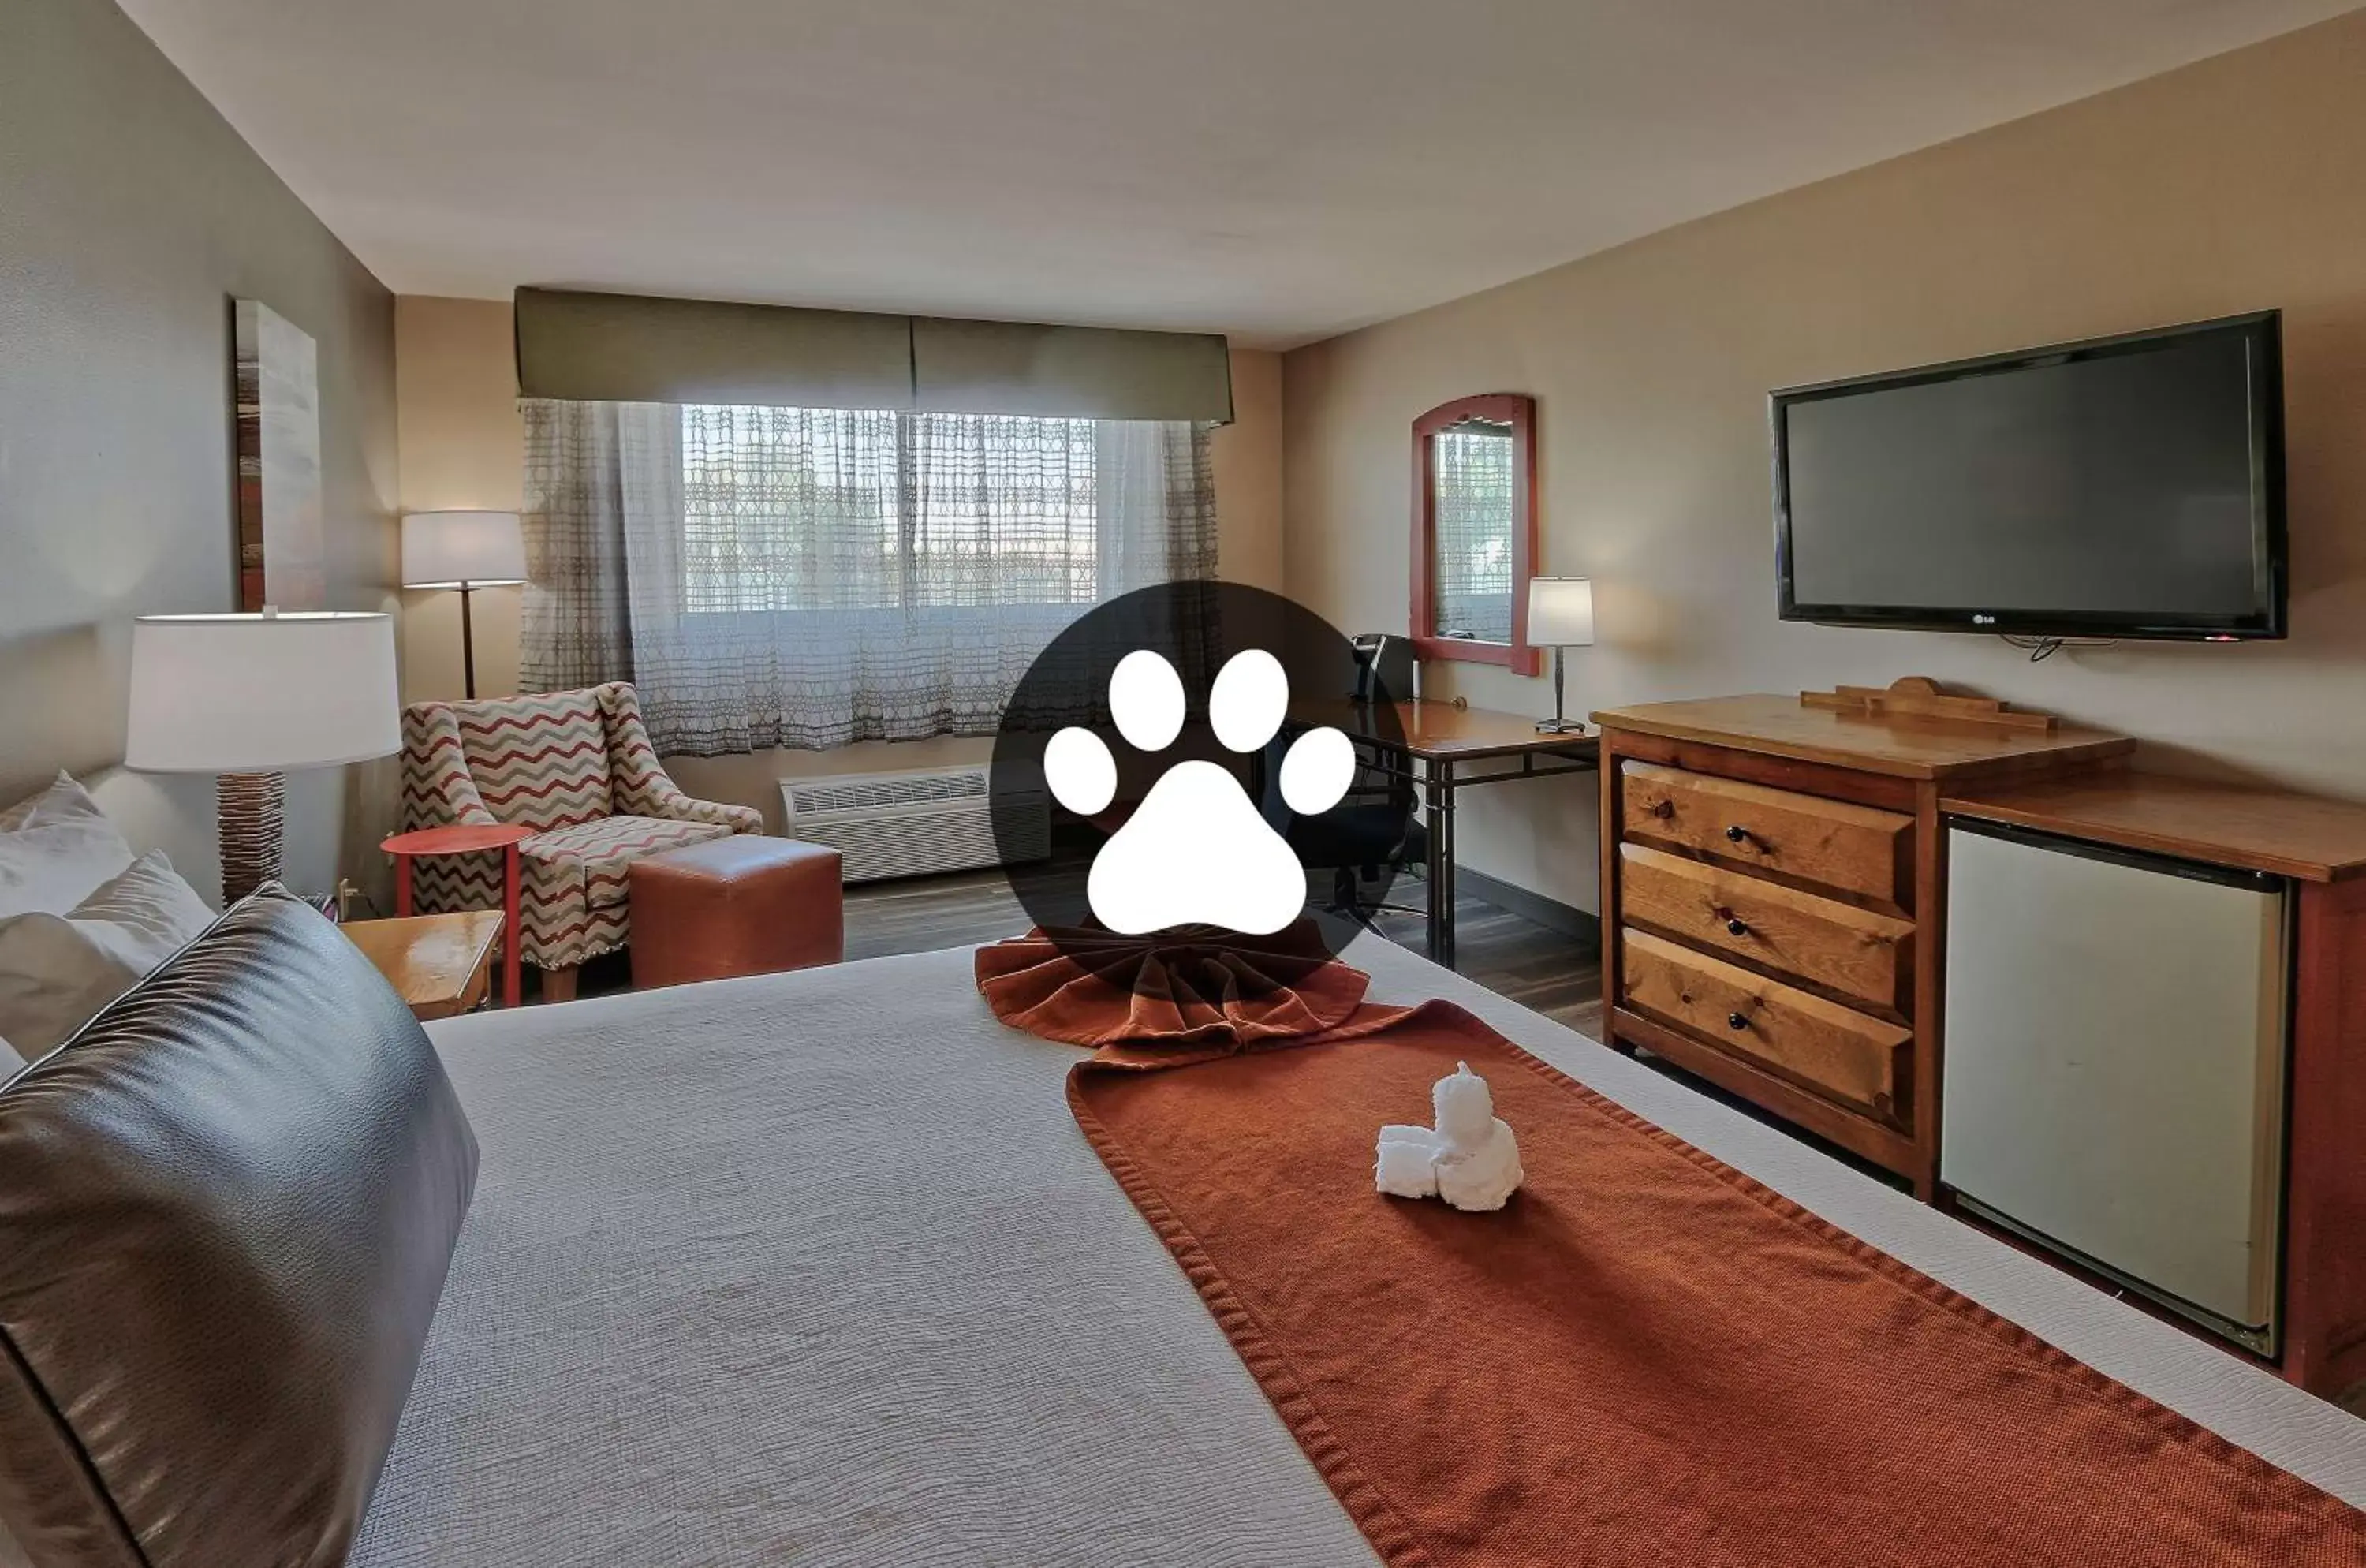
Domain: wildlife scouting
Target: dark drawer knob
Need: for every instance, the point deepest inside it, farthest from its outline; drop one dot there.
(1737, 1021)
(1737, 833)
(1664, 810)
(1735, 927)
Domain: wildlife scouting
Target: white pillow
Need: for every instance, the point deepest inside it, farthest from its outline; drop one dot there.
(55, 849)
(56, 971)
(18, 814)
(63, 800)
(9, 1063)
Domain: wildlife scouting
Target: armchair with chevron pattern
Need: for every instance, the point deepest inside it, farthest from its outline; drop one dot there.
(578, 768)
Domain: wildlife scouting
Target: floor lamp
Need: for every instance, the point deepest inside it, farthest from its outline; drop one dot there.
(466, 550)
(1561, 616)
(248, 697)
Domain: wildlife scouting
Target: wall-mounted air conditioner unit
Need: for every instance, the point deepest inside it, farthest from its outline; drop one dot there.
(913, 823)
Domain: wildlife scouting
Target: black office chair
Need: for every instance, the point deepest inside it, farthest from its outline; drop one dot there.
(1371, 828)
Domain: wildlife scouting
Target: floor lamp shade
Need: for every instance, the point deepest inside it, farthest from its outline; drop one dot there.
(1561, 616)
(466, 550)
(247, 698)
(462, 549)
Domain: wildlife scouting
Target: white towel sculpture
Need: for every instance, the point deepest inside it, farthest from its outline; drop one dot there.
(1471, 1158)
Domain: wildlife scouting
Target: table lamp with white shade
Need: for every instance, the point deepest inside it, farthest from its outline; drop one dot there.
(466, 550)
(248, 697)
(1561, 616)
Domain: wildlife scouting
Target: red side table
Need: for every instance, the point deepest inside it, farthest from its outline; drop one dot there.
(462, 840)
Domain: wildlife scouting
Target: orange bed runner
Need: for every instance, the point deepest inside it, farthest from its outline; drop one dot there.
(1647, 1357)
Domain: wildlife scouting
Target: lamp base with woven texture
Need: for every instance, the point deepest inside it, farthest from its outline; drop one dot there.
(251, 813)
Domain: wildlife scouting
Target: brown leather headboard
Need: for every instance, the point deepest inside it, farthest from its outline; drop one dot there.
(227, 1207)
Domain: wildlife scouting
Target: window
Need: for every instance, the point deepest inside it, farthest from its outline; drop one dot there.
(826, 509)
(811, 577)
(1474, 531)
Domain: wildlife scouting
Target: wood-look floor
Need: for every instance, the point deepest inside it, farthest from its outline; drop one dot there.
(1554, 975)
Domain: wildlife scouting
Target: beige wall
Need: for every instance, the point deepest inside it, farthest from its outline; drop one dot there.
(130, 216)
(2230, 186)
(1246, 458)
(462, 448)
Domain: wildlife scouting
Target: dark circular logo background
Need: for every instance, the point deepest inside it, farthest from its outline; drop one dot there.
(1196, 627)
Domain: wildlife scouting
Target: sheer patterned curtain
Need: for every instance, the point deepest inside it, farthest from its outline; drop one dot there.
(811, 577)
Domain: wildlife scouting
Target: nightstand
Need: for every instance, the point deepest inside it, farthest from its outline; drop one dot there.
(442, 964)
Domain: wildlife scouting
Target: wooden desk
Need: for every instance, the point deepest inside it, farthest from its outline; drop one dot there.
(1434, 743)
(442, 964)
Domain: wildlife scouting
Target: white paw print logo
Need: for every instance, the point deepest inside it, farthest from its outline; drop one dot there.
(1197, 852)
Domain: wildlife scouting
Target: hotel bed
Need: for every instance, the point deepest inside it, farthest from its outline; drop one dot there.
(819, 1269)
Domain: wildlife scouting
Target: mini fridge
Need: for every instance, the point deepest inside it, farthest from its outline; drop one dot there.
(2115, 1046)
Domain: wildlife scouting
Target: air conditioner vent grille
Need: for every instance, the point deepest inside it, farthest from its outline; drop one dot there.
(910, 824)
(864, 792)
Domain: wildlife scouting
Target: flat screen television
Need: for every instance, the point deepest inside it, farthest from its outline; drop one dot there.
(2125, 487)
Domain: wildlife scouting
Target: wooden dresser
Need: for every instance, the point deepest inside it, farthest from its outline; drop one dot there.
(1773, 894)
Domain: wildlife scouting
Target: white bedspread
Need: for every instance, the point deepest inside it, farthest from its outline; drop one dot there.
(816, 1269)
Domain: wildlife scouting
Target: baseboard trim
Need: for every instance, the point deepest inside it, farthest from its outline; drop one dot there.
(1549, 913)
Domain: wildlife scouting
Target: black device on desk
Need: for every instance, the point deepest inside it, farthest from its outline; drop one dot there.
(1384, 668)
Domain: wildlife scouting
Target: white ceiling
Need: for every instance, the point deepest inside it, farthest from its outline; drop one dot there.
(1279, 169)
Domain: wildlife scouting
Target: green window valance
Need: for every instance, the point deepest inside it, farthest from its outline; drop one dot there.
(639, 348)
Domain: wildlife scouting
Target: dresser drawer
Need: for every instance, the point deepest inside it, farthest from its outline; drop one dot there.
(1859, 953)
(1830, 843)
(1859, 1061)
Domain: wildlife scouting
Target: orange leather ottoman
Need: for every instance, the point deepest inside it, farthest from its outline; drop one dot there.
(745, 905)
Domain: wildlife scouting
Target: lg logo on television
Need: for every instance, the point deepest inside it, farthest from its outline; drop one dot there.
(1983, 620)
